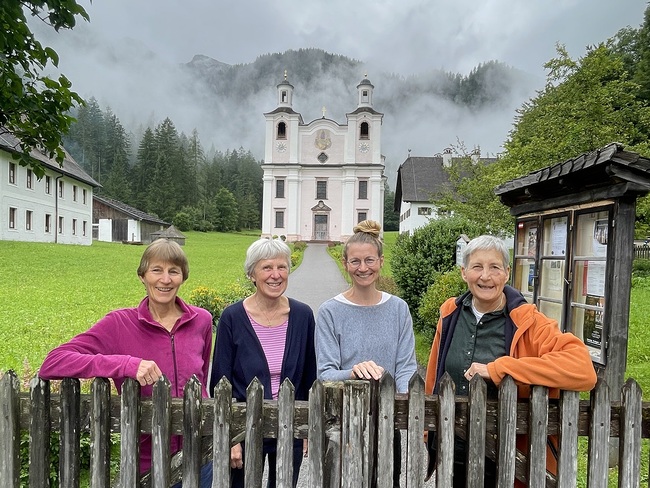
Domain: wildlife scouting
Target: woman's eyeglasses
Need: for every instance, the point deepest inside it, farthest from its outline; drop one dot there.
(355, 263)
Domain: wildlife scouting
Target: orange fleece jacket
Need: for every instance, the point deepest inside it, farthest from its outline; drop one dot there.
(540, 354)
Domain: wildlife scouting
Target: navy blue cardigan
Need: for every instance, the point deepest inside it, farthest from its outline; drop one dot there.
(238, 354)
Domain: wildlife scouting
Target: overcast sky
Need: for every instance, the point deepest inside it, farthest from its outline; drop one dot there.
(398, 36)
(405, 36)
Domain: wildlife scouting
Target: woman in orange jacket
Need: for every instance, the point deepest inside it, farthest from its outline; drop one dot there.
(492, 331)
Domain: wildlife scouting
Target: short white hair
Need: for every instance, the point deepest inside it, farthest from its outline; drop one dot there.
(266, 249)
(486, 243)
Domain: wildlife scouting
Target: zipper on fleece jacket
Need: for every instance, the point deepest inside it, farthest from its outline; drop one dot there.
(171, 336)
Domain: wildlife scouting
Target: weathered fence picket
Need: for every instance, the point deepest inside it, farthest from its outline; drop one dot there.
(350, 427)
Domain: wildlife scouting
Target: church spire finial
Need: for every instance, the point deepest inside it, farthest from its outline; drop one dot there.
(285, 75)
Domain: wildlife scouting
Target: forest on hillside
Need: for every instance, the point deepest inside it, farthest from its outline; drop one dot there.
(172, 175)
(586, 104)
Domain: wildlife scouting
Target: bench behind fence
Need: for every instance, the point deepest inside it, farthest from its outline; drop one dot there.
(349, 425)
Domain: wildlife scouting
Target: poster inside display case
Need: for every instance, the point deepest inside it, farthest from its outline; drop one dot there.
(590, 278)
(524, 275)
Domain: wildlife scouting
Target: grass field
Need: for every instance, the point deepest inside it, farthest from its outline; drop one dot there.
(51, 292)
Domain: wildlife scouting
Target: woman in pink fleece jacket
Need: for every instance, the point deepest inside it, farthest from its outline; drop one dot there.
(161, 336)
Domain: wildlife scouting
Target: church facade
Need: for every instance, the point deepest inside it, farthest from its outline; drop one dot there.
(321, 178)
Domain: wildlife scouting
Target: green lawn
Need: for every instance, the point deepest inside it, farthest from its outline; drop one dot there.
(51, 292)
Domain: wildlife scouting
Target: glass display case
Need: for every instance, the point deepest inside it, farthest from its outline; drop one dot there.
(560, 264)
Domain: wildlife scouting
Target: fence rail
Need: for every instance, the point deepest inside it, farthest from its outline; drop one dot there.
(349, 426)
(642, 252)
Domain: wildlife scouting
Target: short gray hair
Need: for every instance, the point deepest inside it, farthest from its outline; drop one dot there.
(486, 243)
(266, 249)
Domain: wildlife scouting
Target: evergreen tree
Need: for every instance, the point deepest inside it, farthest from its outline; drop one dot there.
(195, 163)
(116, 159)
(227, 212)
(391, 218)
(162, 194)
(143, 168)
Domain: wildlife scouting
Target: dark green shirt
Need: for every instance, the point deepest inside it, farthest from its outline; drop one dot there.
(474, 342)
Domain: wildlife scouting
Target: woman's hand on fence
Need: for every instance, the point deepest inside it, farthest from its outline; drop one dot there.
(477, 369)
(236, 461)
(148, 372)
(367, 370)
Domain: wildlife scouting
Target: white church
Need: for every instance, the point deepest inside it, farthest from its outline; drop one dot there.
(322, 178)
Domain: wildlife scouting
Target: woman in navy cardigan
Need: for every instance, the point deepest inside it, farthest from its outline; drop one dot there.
(268, 336)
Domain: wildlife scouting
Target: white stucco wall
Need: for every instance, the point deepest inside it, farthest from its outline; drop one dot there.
(18, 196)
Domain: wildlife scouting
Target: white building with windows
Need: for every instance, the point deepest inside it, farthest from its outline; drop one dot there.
(420, 180)
(56, 208)
(322, 178)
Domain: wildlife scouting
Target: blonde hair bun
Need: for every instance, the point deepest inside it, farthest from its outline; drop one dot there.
(371, 227)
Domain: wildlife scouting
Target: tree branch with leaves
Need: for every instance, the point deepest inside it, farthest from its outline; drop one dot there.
(35, 107)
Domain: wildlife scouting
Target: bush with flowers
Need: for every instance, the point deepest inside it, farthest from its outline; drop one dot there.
(214, 301)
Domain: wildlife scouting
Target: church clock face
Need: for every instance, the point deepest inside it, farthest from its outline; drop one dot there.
(281, 146)
(364, 147)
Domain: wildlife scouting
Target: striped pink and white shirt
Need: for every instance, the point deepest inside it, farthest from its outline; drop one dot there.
(273, 341)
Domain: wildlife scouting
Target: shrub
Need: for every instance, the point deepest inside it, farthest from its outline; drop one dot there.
(387, 284)
(299, 245)
(444, 286)
(215, 301)
(641, 268)
(431, 249)
(183, 221)
(336, 252)
(204, 226)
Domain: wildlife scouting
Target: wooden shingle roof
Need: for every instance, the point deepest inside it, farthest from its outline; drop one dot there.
(607, 172)
(132, 212)
(171, 232)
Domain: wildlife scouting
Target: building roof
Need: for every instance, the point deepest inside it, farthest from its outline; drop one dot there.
(171, 232)
(364, 109)
(285, 110)
(421, 178)
(11, 144)
(608, 167)
(128, 210)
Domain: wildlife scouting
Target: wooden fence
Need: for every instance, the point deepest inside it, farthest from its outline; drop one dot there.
(642, 252)
(349, 425)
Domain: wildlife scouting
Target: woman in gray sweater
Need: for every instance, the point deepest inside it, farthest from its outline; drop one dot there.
(363, 331)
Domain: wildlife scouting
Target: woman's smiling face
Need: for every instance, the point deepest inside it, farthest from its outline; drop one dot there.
(363, 264)
(486, 276)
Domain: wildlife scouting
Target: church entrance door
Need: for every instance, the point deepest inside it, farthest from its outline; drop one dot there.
(320, 228)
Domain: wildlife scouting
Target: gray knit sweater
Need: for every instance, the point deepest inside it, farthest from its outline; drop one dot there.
(347, 334)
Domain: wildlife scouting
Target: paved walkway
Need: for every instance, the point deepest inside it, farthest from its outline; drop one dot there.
(317, 278)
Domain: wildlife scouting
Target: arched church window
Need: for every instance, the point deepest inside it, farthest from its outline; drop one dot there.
(282, 130)
(364, 132)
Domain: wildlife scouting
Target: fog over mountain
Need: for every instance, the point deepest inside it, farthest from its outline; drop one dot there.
(139, 59)
(226, 103)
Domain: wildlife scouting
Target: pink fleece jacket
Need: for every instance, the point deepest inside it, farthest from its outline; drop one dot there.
(115, 346)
